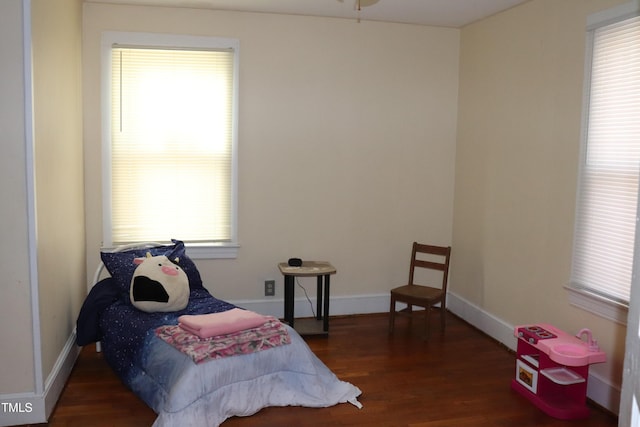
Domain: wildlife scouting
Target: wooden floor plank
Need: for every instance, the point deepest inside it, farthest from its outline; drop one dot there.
(456, 379)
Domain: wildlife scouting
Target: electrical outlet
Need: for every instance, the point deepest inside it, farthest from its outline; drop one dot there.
(269, 288)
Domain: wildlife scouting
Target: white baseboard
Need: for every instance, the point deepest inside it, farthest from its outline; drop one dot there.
(496, 328)
(60, 373)
(605, 394)
(35, 408)
(21, 408)
(339, 305)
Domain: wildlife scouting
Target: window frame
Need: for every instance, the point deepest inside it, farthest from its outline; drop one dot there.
(579, 296)
(208, 250)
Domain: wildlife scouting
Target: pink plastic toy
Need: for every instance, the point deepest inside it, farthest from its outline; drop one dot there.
(552, 369)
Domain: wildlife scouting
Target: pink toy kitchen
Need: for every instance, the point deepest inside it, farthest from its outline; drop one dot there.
(552, 369)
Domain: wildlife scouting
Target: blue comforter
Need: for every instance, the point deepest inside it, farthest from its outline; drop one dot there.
(187, 394)
(126, 331)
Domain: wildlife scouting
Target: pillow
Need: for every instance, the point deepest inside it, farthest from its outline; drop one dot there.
(121, 266)
(158, 284)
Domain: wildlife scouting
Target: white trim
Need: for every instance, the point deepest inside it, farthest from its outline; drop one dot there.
(212, 250)
(578, 295)
(193, 250)
(109, 38)
(31, 196)
(35, 408)
(105, 120)
(29, 409)
(339, 305)
(60, 373)
(605, 394)
(379, 303)
(597, 304)
(491, 325)
(613, 14)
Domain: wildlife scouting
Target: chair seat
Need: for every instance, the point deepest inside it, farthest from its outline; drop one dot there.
(420, 293)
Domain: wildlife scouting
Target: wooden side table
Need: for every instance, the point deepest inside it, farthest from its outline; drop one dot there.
(320, 269)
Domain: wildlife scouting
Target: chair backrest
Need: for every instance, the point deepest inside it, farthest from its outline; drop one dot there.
(442, 253)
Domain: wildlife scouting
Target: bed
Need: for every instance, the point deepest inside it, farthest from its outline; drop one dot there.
(180, 390)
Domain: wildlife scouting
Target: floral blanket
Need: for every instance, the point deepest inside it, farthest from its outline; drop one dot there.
(271, 334)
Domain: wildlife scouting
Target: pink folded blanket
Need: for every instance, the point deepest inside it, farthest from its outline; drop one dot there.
(270, 334)
(225, 322)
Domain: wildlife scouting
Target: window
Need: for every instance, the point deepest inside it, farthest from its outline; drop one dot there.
(610, 169)
(170, 146)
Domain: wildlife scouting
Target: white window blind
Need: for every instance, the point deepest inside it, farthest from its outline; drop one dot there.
(607, 199)
(171, 148)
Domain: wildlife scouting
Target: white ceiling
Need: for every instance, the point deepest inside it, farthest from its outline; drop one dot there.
(444, 13)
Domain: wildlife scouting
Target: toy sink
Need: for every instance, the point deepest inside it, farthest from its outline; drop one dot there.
(569, 350)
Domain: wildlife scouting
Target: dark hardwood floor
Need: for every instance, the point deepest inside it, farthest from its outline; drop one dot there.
(461, 378)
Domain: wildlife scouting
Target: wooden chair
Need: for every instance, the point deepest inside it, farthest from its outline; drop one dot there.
(426, 257)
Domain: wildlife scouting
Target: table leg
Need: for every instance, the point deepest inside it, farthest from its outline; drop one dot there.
(288, 299)
(325, 324)
(319, 299)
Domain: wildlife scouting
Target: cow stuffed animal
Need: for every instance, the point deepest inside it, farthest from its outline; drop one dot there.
(158, 285)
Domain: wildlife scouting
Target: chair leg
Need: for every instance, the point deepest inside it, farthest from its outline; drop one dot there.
(427, 311)
(392, 314)
(443, 315)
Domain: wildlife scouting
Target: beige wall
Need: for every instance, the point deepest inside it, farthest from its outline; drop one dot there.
(56, 184)
(56, 44)
(346, 141)
(521, 83)
(347, 146)
(16, 352)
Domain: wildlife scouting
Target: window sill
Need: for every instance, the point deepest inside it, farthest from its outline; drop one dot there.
(598, 304)
(212, 250)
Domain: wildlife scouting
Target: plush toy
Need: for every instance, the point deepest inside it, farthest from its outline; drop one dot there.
(158, 285)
